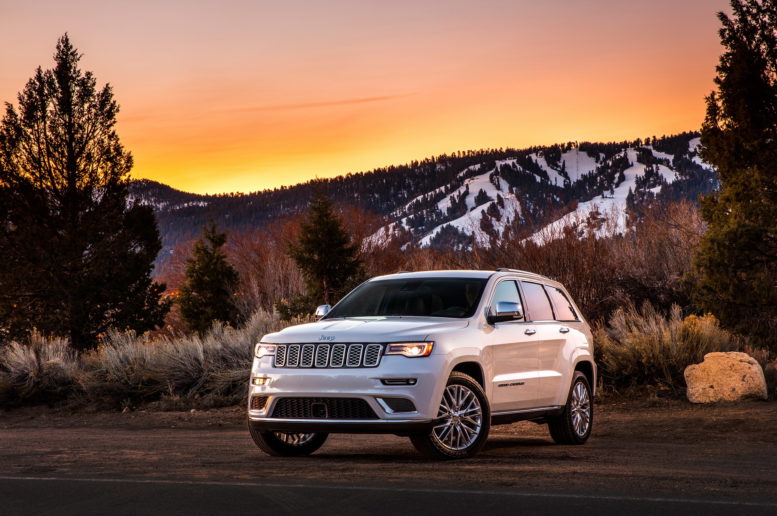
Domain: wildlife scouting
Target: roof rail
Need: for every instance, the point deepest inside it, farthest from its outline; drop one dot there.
(507, 269)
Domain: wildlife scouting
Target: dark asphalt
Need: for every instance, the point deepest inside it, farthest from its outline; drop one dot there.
(52, 496)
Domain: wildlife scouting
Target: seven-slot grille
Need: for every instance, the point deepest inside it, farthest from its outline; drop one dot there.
(328, 355)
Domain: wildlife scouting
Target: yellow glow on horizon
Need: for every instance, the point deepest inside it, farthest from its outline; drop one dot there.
(264, 94)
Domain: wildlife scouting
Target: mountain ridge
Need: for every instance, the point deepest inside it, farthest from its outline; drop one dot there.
(465, 198)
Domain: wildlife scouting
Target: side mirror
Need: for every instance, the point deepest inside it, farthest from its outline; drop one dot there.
(505, 311)
(322, 310)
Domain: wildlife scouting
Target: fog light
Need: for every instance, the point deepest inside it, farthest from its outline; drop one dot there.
(260, 381)
(398, 381)
(394, 405)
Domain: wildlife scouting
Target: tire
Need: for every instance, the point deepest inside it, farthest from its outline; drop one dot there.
(462, 432)
(279, 444)
(575, 423)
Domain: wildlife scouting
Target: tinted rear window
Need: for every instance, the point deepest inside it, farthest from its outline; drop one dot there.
(537, 302)
(564, 309)
(420, 297)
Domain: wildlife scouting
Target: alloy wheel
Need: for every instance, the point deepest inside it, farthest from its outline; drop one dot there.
(461, 418)
(581, 409)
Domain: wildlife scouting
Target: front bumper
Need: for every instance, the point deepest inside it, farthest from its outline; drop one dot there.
(361, 383)
(375, 426)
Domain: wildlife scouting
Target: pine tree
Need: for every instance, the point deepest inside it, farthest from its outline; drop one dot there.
(327, 257)
(207, 295)
(76, 256)
(737, 260)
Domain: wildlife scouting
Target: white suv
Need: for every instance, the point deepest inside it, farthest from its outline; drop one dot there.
(436, 356)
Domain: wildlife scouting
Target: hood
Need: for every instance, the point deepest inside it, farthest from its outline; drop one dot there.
(383, 329)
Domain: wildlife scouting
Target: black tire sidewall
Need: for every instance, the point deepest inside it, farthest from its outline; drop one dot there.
(269, 443)
(428, 444)
(564, 432)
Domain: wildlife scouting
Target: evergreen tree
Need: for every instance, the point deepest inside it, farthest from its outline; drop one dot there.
(737, 260)
(207, 295)
(481, 197)
(76, 256)
(327, 257)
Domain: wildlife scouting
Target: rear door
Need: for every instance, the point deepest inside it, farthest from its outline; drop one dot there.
(551, 340)
(514, 355)
(555, 355)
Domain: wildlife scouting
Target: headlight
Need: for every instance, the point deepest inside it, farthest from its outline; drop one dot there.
(410, 349)
(263, 350)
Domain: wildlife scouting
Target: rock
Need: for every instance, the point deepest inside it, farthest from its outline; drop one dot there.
(725, 377)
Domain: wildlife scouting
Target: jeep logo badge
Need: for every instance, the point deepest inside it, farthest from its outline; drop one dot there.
(326, 338)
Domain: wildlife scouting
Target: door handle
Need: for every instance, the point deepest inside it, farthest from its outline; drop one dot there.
(564, 329)
(529, 331)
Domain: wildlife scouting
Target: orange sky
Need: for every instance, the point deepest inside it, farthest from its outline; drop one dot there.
(226, 96)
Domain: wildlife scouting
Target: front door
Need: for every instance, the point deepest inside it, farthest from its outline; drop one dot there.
(515, 358)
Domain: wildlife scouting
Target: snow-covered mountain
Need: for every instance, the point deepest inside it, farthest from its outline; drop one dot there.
(468, 198)
(542, 193)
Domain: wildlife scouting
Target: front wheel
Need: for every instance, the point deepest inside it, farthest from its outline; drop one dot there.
(281, 444)
(463, 421)
(574, 424)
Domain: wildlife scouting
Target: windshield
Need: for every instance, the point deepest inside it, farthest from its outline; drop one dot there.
(418, 297)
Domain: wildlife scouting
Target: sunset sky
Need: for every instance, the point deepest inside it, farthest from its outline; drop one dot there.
(223, 96)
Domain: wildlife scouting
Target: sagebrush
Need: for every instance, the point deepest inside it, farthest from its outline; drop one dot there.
(643, 347)
(127, 369)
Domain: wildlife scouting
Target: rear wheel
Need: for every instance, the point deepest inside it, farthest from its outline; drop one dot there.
(463, 421)
(574, 425)
(281, 444)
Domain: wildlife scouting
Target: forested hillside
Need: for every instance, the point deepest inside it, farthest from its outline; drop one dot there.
(455, 200)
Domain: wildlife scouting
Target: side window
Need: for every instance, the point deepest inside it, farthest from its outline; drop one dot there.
(564, 310)
(506, 291)
(537, 302)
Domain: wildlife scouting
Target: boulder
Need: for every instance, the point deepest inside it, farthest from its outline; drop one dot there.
(728, 376)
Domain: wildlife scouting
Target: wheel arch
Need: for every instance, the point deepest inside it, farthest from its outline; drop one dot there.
(586, 366)
(472, 368)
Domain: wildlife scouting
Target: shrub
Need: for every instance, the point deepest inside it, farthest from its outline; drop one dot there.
(215, 367)
(42, 370)
(126, 369)
(645, 348)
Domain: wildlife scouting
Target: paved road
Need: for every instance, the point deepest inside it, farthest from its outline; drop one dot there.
(675, 459)
(42, 495)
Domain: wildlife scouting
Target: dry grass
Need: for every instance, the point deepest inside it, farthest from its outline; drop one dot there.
(42, 370)
(646, 348)
(127, 370)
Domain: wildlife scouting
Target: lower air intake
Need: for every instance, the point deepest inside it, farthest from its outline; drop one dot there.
(323, 408)
(258, 402)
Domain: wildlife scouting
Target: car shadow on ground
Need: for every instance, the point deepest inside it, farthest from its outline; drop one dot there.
(495, 443)
(410, 456)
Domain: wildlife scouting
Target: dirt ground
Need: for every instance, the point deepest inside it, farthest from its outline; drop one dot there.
(661, 448)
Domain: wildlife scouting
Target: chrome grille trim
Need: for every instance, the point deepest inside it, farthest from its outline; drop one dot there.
(308, 350)
(321, 356)
(354, 355)
(338, 355)
(372, 355)
(292, 360)
(280, 355)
